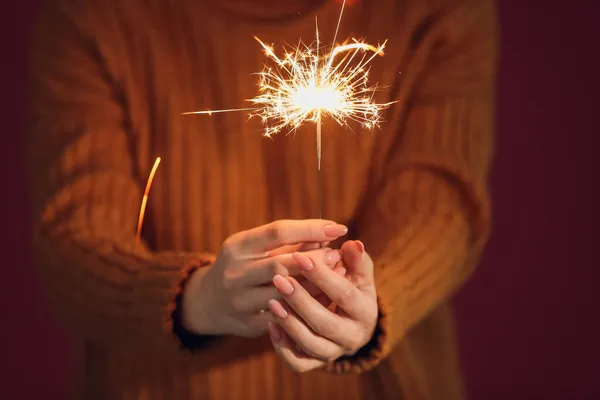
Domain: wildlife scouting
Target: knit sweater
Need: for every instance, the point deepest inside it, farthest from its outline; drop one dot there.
(109, 81)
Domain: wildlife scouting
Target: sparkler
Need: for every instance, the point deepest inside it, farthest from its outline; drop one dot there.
(306, 85)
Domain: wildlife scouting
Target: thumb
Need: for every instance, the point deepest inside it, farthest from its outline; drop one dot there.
(353, 253)
(358, 264)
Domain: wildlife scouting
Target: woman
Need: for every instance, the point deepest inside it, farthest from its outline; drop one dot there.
(185, 314)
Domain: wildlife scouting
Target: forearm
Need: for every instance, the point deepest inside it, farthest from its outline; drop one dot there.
(109, 293)
(109, 288)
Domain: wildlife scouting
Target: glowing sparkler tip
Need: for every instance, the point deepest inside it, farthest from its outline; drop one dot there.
(325, 98)
(303, 86)
(307, 83)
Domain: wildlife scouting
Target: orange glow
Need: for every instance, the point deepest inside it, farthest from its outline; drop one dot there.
(145, 200)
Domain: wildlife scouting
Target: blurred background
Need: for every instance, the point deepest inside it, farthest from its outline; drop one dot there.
(529, 322)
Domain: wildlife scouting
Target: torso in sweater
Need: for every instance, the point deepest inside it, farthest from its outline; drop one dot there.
(112, 79)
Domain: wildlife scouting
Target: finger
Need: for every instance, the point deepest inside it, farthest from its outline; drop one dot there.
(321, 320)
(285, 349)
(312, 344)
(258, 323)
(292, 248)
(287, 249)
(332, 258)
(250, 257)
(311, 288)
(286, 232)
(260, 272)
(322, 297)
(340, 290)
(310, 246)
(326, 302)
(358, 262)
(353, 253)
(254, 300)
(299, 247)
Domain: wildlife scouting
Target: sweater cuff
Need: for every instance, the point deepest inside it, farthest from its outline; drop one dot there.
(188, 340)
(371, 354)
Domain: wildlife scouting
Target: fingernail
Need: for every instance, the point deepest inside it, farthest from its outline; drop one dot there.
(360, 246)
(332, 257)
(277, 309)
(283, 285)
(341, 271)
(304, 262)
(274, 331)
(335, 231)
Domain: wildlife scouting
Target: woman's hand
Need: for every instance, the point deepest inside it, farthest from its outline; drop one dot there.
(230, 296)
(307, 334)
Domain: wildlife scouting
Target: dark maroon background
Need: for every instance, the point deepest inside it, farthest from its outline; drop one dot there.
(528, 327)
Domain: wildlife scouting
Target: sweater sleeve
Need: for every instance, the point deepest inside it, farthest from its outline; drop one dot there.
(425, 219)
(86, 193)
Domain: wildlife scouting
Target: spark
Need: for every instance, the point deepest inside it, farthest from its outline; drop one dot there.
(145, 199)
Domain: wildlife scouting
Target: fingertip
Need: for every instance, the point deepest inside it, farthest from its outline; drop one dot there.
(283, 285)
(348, 246)
(335, 230)
(360, 246)
(332, 257)
(354, 245)
(277, 309)
(277, 279)
(352, 254)
(304, 262)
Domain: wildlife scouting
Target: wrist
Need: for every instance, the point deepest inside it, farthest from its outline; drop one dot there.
(194, 311)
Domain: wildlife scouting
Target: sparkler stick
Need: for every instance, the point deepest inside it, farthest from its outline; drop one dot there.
(305, 86)
(319, 186)
(319, 181)
(145, 200)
